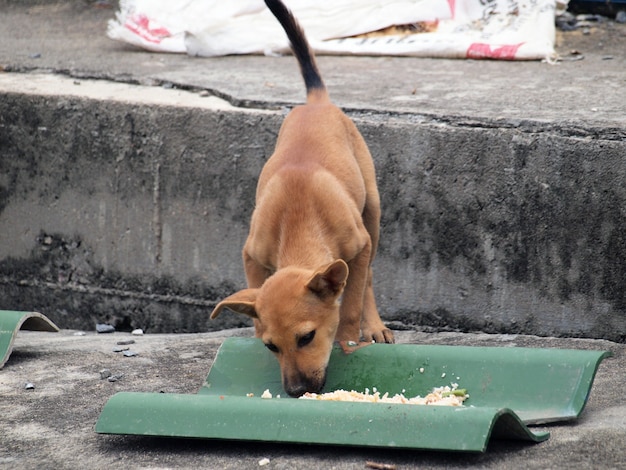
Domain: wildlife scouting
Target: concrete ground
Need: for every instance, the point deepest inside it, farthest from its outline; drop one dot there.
(52, 426)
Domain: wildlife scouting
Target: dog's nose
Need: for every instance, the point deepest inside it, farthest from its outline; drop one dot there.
(297, 388)
(296, 392)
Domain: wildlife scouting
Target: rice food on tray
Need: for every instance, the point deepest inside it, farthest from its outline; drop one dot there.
(441, 396)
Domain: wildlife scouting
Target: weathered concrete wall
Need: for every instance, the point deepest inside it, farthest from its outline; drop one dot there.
(113, 210)
(506, 229)
(137, 215)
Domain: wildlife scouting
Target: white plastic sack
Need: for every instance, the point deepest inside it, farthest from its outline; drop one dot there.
(499, 29)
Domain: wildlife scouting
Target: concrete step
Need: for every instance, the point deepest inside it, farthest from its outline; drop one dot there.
(127, 179)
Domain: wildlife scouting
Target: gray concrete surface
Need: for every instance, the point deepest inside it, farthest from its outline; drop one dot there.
(125, 195)
(52, 426)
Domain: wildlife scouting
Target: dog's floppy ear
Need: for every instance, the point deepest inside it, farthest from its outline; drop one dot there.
(240, 302)
(330, 280)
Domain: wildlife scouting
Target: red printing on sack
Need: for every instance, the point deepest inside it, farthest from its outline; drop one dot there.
(480, 50)
(140, 25)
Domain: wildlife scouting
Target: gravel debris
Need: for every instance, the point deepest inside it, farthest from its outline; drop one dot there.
(104, 328)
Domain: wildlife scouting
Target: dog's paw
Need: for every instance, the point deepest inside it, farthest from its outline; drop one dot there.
(349, 347)
(382, 335)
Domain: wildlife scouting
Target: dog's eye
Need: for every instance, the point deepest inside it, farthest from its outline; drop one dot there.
(306, 339)
(272, 347)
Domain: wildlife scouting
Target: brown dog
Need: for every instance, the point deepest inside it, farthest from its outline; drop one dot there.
(313, 235)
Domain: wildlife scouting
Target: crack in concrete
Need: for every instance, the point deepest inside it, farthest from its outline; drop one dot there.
(78, 288)
(526, 126)
(157, 224)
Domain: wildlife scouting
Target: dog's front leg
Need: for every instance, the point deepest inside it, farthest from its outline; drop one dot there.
(351, 310)
(256, 274)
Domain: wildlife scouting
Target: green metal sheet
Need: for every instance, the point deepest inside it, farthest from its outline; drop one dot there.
(540, 385)
(506, 387)
(12, 321)
(309, 421)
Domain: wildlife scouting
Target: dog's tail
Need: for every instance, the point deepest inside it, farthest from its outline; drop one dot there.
(315, 88)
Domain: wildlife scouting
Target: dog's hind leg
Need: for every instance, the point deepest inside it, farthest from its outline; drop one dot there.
(371, 325)
(353, 297)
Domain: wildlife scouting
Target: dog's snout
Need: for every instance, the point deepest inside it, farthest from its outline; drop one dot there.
(297, 391)
(300, 385)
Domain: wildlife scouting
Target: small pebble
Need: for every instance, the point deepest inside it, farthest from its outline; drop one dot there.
(566, 22)
(204, 93)
(128, 353)
(263, 462)
(29, 386)
(104, 328)
(591, 17)
(621, 16)
(105, 374)
(120, 349)
(115, 378)
(80, 333)
(125, 342)
(137, 332)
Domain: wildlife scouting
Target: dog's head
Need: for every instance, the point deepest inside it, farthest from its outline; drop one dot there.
(296, 312)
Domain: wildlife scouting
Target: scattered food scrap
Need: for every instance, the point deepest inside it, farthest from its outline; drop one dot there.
(443, 396)
(380, 466)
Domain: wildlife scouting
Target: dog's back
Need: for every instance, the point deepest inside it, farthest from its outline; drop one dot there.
(320, 158)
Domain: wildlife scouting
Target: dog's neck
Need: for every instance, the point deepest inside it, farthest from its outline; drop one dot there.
(304, 248)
